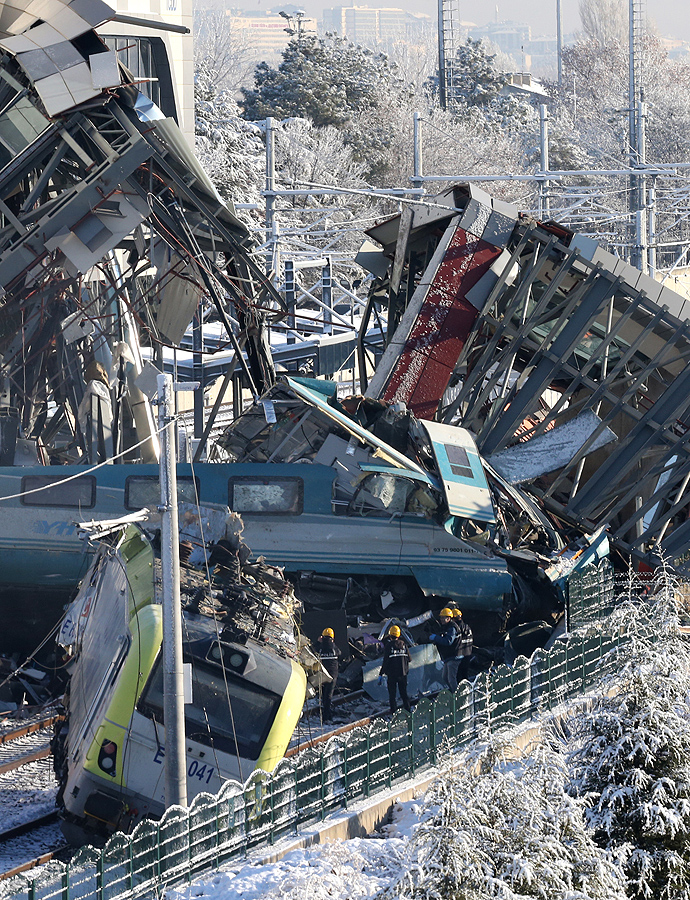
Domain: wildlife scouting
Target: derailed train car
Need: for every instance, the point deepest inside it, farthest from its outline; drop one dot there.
(247, 688)
(391, 514)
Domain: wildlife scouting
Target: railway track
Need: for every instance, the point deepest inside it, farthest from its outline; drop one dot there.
(27, 796)
(25, 744)
(18, 845)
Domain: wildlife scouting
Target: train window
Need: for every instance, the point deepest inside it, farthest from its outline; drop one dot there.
(214, 719)
(459, 461)
(143, 491)
(53, 490)
(266, 496)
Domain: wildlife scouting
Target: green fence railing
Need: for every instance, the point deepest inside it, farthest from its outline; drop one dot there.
(334, 775)
(590, 594)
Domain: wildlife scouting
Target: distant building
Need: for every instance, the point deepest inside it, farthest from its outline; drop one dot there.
(676, 48)
(524, 86)
(534, 54)
(268, 34)
(373, 27)
(512, 38)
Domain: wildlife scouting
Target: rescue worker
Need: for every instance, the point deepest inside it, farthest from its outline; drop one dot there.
(395, 666)
(230, 554)
(328, 654)
(447, 643)
(466, 644)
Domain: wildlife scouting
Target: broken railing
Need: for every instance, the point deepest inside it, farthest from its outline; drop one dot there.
(346, 770)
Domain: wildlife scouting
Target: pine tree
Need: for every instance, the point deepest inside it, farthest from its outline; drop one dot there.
(324, 80)
(632, 765)
(503, 828)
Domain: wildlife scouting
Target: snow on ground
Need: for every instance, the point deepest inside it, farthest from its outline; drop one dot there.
(356, 869)
(27, 792)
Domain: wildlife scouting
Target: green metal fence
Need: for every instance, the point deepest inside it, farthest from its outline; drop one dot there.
(347, 769)
(590, 594)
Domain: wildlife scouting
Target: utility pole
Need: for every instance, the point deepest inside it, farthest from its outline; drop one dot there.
(641, 223)
(173, 679)
(327, 296)
(651, 228)
(198, 369)
(290, 299)
(544, 186)
(447, 14)
(271, 235)
(443, 100)
(636, 26)
(559, 42)
(418, 158)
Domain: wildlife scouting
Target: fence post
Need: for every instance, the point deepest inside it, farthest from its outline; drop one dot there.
(432, 729)
(323, 787)
(345, 771)
(368, 762)
(412, 742)
(99, 876)
(158, 851)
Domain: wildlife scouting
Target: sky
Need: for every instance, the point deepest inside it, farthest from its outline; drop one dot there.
(672, 17)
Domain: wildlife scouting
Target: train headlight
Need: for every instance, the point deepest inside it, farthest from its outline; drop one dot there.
(239, 661)
(107, 757)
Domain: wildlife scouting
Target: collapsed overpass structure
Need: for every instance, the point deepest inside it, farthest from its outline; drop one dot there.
(569, 365)
(111, 234)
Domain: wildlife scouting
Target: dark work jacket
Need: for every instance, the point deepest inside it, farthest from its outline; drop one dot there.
(328, 654)
(396, 658)
(448, 641)
(466, 638)
(230, 555)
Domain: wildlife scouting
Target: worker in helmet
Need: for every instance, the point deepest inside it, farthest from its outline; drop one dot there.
(395, 666)
(329, 652)
(447, 640)
(466, 644)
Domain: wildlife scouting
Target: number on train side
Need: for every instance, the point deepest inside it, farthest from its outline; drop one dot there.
(202, 772)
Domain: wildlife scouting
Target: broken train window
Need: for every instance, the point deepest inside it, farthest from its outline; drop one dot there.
(383, 494)
(267, 496)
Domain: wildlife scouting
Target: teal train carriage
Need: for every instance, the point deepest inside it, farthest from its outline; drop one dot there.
(382, 517)
(247, 690)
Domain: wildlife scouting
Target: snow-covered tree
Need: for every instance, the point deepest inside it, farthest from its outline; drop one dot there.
(476, 80)
(604, 21)
(231, 150)
(631, 762)
(322, 79)
(223, 52)
(497, 827)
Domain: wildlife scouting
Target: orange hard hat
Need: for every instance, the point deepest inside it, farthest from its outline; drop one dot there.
(328, 632)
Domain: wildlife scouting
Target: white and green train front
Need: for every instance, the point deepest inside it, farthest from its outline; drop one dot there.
(246, 701)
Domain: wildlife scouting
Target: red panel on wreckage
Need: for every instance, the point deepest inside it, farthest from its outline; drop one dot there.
(445, 320)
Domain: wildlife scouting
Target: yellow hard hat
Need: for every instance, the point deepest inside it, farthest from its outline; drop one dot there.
(394, 631)
(446, 613)
(457, 614)
(328, 632)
